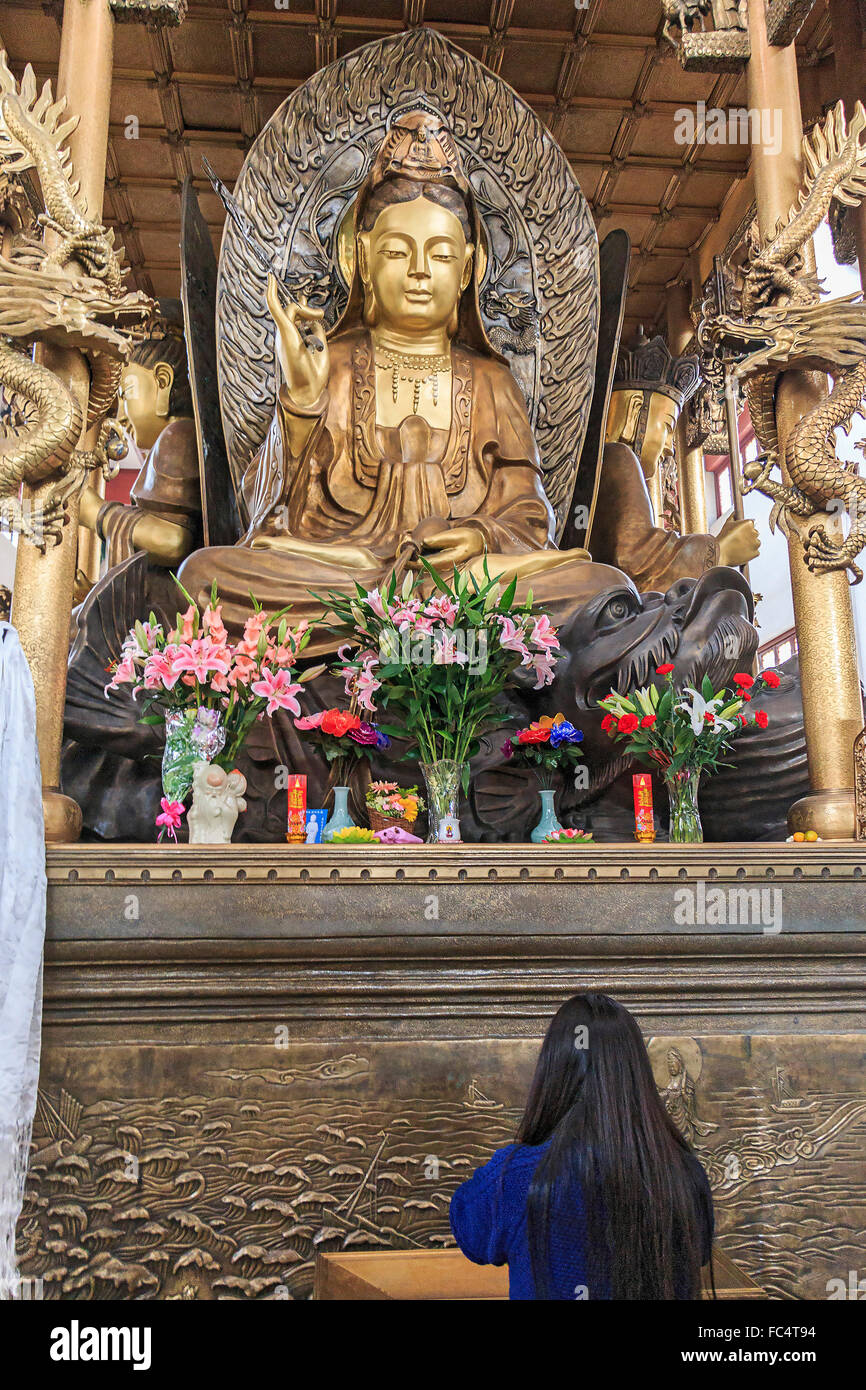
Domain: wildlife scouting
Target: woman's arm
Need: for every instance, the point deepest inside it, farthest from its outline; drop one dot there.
(478, 1216)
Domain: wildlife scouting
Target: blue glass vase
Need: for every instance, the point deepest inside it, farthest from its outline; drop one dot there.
(339, 818)
(548, 822)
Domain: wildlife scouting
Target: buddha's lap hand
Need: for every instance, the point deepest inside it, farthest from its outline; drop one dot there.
(453, 546)
(305, 370)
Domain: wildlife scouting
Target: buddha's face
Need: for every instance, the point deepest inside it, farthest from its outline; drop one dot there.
(653, 442)
(144, 396)
(415, 262)
(658, 440)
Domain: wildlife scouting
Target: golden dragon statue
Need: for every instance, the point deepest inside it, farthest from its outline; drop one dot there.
(61, 284)
(782, 324)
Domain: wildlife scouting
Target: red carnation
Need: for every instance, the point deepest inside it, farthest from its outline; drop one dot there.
(608, 722)
(771, 678)
(762, 719)
(338, 722)
(666, 669)
(648, 721)
(709, 718)
(533, 736)
(744, 695)
(743, 720)
(627, 724)
(744, 680)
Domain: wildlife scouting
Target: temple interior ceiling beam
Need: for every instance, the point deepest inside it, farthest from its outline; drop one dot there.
(610, 98)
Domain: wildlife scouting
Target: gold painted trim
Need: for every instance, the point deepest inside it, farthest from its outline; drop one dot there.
(505, 863)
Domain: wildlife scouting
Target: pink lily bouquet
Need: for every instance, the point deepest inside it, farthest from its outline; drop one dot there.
(207, 691)
(437, 655)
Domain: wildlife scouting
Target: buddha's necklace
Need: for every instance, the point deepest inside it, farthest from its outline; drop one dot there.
(421, 371)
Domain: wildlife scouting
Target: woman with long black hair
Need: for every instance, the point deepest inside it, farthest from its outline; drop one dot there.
(601, 1196)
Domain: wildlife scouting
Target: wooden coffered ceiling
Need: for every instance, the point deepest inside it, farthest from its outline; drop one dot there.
(600, 77)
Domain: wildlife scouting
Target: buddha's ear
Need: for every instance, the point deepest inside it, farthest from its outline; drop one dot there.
(364, 256)
(164, 375)
(467, 268)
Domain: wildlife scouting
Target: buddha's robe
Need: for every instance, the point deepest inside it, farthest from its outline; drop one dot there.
(334, 498)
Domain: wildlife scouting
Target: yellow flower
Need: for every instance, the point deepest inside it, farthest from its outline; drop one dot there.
(545, 722)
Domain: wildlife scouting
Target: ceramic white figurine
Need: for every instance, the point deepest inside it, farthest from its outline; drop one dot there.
(217, 797)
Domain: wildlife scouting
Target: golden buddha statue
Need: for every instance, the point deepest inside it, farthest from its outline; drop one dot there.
(403, 433)
(155, 409)
(649, 391)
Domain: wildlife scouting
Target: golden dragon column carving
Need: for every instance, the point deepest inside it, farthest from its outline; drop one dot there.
(784, 324)
(783, 341)
(46, 298)
(67, 323)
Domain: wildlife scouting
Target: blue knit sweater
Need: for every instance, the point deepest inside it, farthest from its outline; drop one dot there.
(488, 1219)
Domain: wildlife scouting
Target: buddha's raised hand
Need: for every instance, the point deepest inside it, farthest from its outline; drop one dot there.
(305, 370)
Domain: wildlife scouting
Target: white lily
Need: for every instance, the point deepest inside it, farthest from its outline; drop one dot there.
(701, 707)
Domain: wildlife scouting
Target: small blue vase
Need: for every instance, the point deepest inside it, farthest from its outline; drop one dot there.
(548, 822)
(339, 818)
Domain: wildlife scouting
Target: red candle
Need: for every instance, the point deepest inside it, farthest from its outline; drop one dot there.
(297, 826)
(644, 826)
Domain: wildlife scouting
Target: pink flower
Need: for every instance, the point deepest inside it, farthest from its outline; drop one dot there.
(170, 817)
(376, 602)
(243, 667)
(187, 620)
(443, 607)
(213, 624)
(511, 638)
(249, 643)
(124, 673)
(278, 689)
(445, 652)
(309, 721)
(158, 669)
(403, 615)
(543, 634)
(366, 686)
(200, 657)
(544, 667)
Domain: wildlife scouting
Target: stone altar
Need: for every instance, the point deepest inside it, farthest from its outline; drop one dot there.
(254, 1055)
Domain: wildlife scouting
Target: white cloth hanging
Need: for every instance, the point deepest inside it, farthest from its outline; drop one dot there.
(22, 936)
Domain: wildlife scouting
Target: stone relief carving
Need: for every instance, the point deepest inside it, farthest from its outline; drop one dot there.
(231, 1190)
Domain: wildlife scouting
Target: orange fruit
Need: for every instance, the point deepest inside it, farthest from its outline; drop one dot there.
(799, 837)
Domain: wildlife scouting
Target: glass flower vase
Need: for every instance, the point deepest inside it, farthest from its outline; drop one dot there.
(548, 822)
(442, 780)
(685, 818)
(191, 736)
(340, 818)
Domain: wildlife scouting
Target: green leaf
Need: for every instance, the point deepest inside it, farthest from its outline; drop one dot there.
(507, 599)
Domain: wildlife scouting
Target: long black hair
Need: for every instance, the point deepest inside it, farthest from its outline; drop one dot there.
(594, 1097)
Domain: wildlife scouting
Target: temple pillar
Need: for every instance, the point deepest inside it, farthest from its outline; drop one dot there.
(849, 52)
(690, 462)
(832, 707)
(42, 596)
